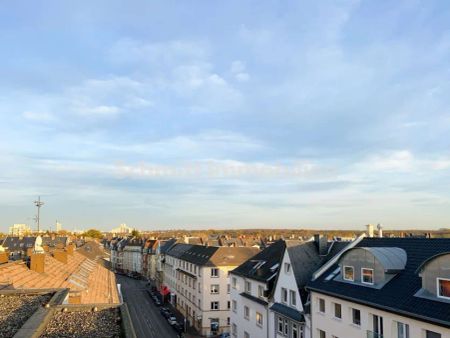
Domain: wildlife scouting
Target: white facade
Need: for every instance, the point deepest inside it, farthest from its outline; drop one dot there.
(248, 316)
(19, 230)
(286, 293)
(132, 258)
(122, 229)
(345, 327)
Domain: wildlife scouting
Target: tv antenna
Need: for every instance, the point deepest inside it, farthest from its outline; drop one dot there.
(38, 204)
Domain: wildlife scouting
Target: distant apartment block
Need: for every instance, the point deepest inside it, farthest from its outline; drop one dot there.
(122, 229)
(20, 230)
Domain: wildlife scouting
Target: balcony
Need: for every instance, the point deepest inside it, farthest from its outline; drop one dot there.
(372, 334)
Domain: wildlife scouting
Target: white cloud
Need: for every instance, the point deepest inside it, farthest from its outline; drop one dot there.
(38, 116)
(239, 72)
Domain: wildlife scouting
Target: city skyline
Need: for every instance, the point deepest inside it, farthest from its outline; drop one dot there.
(312, 115)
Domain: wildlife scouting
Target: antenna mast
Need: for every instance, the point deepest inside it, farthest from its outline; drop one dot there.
(38, 204)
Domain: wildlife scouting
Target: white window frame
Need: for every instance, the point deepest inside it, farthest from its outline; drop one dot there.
(248, 286)
(214, 289)
(292, 298)
(438, 289)
(362, 276)
(214, 275)
(284, 291)
(260, 321)
(324, 305)
(212, 307)
(353, 269)
(246, 312)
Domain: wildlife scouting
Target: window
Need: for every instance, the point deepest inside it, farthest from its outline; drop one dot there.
(402, 330)
(214, 272)
(214, 305)
(349, 273)
(260, 291)
(356, 317)
(228, 288)
(234, 303)
(337, 311)
(246, 312)
(246, 334)
(321, 305)
(294, 330)
(367, 276)
(322, 334)
(259, 319)
(228, 305)
(431, 334)
(443, 288)
(280, 325)
(287, 267)
(233, 282)
(292, 298)
(214, 288)
(248, 287)
(286, 327)
(284, 295)
(234, 329)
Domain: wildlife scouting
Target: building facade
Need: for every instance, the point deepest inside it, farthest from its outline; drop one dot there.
(384, 288)
(198, 278)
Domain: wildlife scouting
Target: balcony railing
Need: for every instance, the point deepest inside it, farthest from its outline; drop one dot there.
(371, 334)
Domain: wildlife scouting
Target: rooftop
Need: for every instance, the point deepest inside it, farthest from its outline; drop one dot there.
(397, 295)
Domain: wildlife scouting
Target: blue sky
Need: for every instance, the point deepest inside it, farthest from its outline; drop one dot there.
(190, 114)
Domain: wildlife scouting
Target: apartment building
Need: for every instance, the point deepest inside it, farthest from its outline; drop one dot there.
(268, 291)
(149, 259)
(252, 284)
(198, 277)
(160, 255)
(132, 255)
(384, 288)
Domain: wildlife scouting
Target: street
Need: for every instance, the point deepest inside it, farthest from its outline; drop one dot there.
(147, 320)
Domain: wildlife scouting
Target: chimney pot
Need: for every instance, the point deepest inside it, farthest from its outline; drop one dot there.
(60, 255)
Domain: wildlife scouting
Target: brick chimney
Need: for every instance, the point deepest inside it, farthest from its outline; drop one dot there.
(3, 257)
(37, 262)
(70, 249)
(46, 248)
(60, 255)
(29, 252)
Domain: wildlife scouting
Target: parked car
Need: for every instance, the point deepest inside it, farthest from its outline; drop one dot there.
(225, 335)
(172, 320)
(166, 312)
(178, 328)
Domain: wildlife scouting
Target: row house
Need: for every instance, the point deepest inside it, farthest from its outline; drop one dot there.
(160, 255)
(149, 259)
(384, 288)
(198, 279)
(126, 254)
(268, 295)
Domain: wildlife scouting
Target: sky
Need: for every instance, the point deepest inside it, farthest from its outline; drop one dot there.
(225, 114)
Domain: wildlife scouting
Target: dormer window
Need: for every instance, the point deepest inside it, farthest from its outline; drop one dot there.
(367, 276)
(443, 288)
(349, 273)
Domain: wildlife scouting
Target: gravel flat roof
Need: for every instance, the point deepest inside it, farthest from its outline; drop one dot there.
(16, 309)
(80, 324)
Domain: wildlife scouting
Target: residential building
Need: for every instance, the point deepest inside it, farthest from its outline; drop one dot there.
(122, 229)
(19, 230)
(384, 287)
(198, 276)
(149, 259)
(268, 296)
(251, 288)
(132, 255)
(161, 250)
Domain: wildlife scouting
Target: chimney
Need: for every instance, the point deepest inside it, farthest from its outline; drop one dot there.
(37, 262)
(69, 249)
(3, 257)
(369, 230)
(60, 255)
(322, 243)
(60, 246)
(380, 230)
(45, 247)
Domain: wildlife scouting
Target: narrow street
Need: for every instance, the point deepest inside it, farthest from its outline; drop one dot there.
(147, 320)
